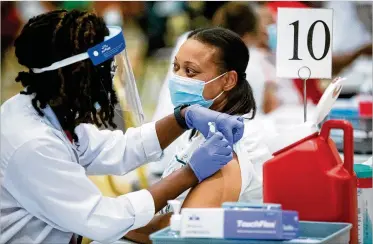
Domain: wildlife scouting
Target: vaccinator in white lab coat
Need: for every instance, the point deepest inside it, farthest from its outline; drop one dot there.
(50, 140)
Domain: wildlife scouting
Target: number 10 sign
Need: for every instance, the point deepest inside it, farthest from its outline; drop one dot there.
(304, 40)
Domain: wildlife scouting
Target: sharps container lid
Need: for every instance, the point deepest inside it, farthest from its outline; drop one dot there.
(296, 133)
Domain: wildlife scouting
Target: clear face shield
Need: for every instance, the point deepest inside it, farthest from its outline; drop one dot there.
(124, 83)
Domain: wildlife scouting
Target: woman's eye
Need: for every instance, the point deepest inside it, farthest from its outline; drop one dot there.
(175, 67)
(189, 72)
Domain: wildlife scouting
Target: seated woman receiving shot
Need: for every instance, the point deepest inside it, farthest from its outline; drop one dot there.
(209, 70)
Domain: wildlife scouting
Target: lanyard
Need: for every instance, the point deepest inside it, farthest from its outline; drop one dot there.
(179, 160)
(52, 120)
(186, 153)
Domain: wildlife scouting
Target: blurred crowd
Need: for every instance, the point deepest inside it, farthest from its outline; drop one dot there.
(150, 29)
(153, 29)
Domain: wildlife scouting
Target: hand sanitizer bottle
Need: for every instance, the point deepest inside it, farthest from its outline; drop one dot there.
(175, 221)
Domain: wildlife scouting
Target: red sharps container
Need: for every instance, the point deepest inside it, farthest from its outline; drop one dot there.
(307, 173)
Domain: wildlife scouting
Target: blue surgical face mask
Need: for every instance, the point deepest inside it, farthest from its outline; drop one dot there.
(272, 37)
(184, 90)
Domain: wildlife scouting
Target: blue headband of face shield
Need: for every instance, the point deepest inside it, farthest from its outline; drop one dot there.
(112, 45)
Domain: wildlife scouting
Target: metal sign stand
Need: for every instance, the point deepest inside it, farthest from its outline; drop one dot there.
(304, 78)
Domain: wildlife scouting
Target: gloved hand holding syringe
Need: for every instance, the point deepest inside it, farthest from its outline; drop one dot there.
(214, 152)
(231, 126)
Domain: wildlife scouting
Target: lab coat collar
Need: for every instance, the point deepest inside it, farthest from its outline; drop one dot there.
(51, 117)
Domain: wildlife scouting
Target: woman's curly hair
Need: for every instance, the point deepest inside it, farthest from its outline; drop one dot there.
(71, 91)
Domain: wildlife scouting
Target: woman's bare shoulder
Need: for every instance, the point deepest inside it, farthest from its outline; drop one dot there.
(224, 186)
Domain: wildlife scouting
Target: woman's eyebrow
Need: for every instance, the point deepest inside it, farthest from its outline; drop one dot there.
(196, 65)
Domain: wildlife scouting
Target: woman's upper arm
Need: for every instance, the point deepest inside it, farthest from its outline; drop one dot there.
(223, 186)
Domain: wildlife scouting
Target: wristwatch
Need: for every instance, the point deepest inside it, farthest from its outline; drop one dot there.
(179, 118)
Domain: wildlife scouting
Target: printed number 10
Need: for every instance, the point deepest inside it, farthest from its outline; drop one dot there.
(310, 40)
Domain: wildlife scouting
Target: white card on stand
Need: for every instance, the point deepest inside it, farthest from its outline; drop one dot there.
(304, 43)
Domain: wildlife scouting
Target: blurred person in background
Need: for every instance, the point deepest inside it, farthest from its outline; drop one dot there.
(129, 15)
(243, 19)
(285, 92)
(10, 24)
(157, 14)
(13, 15)
(288, 93)
(348, 46)
(153, 23)
(355, 45)
(209, 69)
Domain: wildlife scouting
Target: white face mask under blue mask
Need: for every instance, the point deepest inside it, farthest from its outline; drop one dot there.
(184, 90)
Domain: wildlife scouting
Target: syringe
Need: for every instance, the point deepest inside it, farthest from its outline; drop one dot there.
(212, 127)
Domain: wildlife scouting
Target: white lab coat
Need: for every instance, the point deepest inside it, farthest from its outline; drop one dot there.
(45, 193)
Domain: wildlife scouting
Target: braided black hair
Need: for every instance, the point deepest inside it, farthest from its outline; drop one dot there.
(71, 91)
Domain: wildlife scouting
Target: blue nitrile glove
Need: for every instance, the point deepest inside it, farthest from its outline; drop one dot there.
(211, 156)
(232, 127)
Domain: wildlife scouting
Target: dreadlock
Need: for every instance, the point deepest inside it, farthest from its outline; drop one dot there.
(71, 91)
